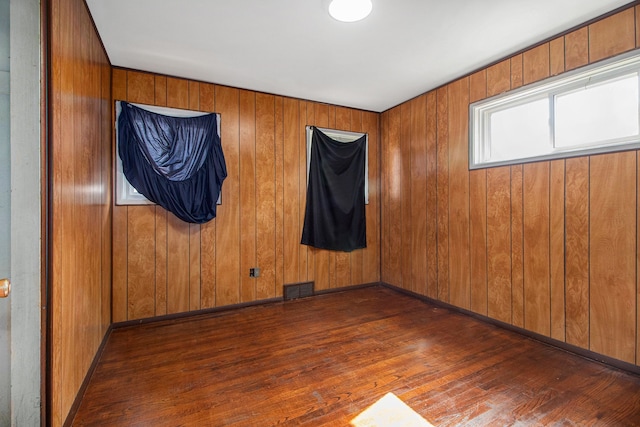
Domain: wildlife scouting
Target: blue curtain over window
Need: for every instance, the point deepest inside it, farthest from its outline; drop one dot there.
(176, 162)
(335, 213)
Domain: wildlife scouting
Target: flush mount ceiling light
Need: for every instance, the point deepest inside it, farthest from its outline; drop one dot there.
(350, 10)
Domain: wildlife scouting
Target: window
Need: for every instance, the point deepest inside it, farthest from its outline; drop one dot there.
(126, 194)
(592, 110)
(346, 137)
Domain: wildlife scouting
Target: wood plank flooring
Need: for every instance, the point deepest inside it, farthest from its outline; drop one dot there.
(322, 361)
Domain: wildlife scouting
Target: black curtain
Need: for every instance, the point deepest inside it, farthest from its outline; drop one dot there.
(176, 162)
(335, 214)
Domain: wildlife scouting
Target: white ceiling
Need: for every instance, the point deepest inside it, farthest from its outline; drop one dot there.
(294, 48)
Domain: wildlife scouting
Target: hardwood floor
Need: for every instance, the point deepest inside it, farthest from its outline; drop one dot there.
(326, 359)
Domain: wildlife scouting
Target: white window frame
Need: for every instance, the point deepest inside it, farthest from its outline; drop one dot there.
(480, 112)
(125, 193)
(346, 137)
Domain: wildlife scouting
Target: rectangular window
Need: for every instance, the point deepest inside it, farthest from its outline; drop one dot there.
(591, 110)
(607, 112)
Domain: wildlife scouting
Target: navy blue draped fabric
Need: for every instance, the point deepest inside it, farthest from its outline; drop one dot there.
(176, 162)
(335, 213)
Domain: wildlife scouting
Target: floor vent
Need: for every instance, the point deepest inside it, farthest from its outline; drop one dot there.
(298, 290)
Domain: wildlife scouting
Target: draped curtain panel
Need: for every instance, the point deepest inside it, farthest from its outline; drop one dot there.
(335, 213)
(176, 162)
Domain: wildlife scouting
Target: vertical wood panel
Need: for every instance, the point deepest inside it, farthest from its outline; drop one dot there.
(141, 262)
(498, 78)
(419, 195)
(61, 78)
(108, 161)
(177, 93)
(384, 201)
(195, 285)
(291, 186)
(207, 97)
(73, 227)
(443, 193)
(537, 310)
(247, 194)
(432, 196)
(394, 198)
(517, 247)
(612, 35)
(309, 252)
(228, 213)
(459, 261)
(536, 64)
(576, 48)
(556, 249)
(160, 246)
(177, 265)
(516, 71)
(160, 90)
(637, 247)
(556, 56)
(613, 278)
(303, 250)
(406, 235)
(498, 244)
(478, 85)
(279, 151)
(265, 196)
(194, 95)
(140, 87)
(208, 265)
(556, 52)
(478, 240)
(577, 251)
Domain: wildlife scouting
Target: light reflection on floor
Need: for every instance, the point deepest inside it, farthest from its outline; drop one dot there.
(389, 411)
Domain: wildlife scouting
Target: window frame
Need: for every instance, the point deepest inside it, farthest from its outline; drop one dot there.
(603, 71)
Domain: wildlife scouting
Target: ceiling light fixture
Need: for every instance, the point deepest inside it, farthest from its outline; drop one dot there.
(350, 10)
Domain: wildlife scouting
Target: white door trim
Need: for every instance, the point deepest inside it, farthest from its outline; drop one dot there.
(26, 184)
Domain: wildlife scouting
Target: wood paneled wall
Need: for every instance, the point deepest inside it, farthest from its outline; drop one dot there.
(162, 265)
(551, 246)
(80, 178)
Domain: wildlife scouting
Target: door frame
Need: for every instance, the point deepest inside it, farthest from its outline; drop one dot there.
(28, 191)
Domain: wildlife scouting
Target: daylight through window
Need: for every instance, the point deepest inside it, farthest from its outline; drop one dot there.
(592, 110)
